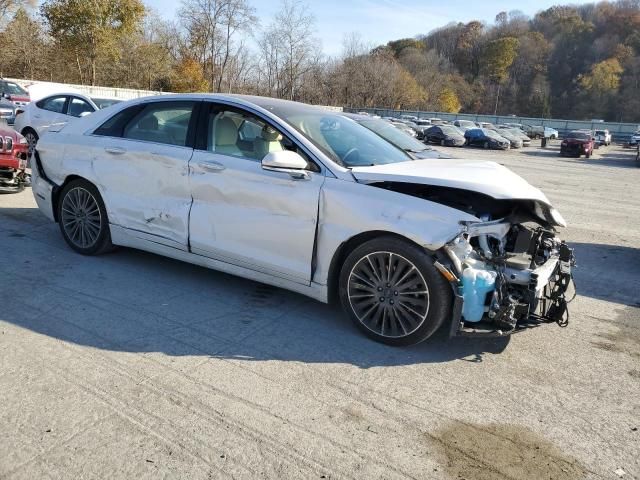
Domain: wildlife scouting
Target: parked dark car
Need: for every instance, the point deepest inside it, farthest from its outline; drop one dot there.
(445, 135)
(7, 111)
(577, 143)
(14, 93)
(481, 137)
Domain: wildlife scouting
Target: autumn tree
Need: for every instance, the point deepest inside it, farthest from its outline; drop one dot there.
(91, 29)
(448, 101)
(23, 46)
(189, 77)
(498, 57)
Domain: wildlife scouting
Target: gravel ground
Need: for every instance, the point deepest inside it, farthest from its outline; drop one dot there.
(134, 366)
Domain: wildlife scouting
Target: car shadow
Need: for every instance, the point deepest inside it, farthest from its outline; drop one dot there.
(132, 301)
(608, 272)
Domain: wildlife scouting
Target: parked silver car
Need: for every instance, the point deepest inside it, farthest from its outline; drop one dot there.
(306, 199)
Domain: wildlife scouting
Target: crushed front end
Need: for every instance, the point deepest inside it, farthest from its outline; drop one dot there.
(507, 276)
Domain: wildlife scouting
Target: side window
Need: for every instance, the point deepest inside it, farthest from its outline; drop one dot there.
(161, 122)
(240, 134)
(115, 125)
(78, 106)
(53, 104)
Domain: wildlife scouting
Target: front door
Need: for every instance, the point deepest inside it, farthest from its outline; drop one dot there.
(243, 214)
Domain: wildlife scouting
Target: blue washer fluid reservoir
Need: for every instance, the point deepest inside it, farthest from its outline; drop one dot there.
(476, 284)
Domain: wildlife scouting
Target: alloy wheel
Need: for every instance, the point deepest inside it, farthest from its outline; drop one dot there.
(31, 139)
(388, 294)
(81, 218)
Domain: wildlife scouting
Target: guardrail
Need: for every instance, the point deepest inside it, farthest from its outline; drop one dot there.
(619, 131)
(93, 91)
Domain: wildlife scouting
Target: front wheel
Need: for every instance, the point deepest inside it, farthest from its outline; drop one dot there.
(83, 218)
(393, 293)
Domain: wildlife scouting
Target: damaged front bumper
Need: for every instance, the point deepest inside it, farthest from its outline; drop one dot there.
(507, 277)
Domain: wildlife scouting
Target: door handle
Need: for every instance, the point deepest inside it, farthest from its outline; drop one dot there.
(115, 150)
(213, 167)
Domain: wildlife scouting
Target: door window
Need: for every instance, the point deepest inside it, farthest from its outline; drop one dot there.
(78, 106)
(53, 104)
(162, 122)
(240, 134)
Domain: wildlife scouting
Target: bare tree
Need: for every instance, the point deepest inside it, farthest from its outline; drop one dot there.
(292, 45)
(211, 27)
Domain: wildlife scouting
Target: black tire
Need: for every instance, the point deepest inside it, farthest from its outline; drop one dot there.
(98, 239)
(32, 139)
(442, 142)
(405, 263)
(587, 155)
(486, 145)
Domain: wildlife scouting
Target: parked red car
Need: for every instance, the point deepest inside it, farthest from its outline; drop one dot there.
(13, 161)
(577, 143)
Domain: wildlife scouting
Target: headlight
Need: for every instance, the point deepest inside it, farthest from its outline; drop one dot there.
(559, 219)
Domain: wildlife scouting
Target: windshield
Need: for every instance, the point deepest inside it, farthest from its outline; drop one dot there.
(466, 123)
(104, 102)
(14, 89)
(449, 130)
(343, 140)
(393, 135)
(579, 136)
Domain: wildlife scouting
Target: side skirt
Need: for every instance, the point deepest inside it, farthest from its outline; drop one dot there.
(119, 236)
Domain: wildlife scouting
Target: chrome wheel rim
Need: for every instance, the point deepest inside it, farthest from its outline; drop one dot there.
(388, 294)
(81, 218)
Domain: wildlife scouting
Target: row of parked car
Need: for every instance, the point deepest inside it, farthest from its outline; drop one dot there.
(463, 132)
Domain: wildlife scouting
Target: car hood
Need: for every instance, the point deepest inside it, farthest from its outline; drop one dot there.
(488, 178)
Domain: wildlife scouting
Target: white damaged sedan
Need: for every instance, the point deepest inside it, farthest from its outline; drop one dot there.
(306, 199)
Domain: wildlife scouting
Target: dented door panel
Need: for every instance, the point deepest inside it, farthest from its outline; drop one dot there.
(251, 217)
(146, 186)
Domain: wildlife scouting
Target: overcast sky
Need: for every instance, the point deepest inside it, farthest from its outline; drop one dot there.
(379, 21)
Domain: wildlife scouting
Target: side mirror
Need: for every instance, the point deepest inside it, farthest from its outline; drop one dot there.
(288, 162)
(84, 114)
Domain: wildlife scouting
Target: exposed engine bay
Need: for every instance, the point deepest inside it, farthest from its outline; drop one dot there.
(510, 270)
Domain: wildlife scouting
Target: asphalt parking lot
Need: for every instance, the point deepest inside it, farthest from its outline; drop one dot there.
(130, 365)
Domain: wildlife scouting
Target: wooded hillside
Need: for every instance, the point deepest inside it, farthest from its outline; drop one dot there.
(578, 62)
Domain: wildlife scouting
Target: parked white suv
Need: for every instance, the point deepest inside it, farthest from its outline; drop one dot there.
(35, 118)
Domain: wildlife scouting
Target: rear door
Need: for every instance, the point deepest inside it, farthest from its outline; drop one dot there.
(142, 159)
(49, 111)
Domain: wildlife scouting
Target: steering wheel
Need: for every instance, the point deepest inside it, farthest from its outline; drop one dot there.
(351, 151)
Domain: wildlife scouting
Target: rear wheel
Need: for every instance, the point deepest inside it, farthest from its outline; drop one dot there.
(83, 218)
(393, 293)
